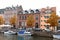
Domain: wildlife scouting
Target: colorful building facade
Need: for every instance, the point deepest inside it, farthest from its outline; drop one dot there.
(45, 14)
(40, 16)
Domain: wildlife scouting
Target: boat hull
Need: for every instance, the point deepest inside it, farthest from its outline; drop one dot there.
(9, 32)
(24, 34)
(56, 36)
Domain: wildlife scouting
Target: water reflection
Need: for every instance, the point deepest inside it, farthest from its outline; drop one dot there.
(24, 37)
(15, 37)
(20, 38)
(10, 37)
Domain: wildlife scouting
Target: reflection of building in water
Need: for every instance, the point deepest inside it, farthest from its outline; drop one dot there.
(24, 38)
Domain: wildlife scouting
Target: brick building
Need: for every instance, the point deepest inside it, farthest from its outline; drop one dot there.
(23, 16)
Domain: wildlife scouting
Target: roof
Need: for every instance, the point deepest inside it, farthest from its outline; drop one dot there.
(2, 11)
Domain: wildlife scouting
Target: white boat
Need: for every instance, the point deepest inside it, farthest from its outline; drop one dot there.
(23, 32)
(9, 32)
(56, 36)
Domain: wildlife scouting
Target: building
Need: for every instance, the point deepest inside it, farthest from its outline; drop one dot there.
(45, 14)
(10, 12)
(2, 12)
(40, 16)
(23, 16)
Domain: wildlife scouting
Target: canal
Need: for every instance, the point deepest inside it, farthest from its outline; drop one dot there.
(15, 37)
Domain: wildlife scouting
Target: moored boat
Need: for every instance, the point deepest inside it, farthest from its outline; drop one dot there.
(56, 36)
(9, 32)
(23, 32)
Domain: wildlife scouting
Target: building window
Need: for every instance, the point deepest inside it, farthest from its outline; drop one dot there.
(19, 17)
(44, 20)
(37, 10)
(23, 17)
(47, 26)
(44, 25)
(41, 16)
(48, 11)
(19, 23)
(46, 16)
(31, 11)
(41, 25)
(36, 17)
(23, 23)
(26, 11)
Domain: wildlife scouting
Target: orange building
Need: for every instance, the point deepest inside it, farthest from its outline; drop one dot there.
(45, 14)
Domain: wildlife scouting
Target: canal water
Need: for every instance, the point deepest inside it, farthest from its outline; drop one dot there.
(15, 37)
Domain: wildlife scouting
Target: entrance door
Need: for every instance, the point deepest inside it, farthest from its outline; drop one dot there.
(36, 25)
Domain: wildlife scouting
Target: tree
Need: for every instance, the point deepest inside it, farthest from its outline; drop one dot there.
(53, 20)
(13, 20)
(2, 21)
(30, 21)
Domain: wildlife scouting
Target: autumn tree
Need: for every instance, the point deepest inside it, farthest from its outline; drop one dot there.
(2, 21)
(53, 20)
(30, 21)
(13, 20)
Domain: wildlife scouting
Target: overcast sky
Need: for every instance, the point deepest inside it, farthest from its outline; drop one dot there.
(33, 4)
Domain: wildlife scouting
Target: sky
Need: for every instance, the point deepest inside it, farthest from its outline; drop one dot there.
(31, 4)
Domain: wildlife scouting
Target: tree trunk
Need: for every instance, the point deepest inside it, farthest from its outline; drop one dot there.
(55, 28)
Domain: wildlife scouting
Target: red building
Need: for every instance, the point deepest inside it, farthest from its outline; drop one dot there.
(23, 16)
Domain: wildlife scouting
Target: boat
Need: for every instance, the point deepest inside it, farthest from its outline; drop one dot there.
(56, 36)
(23, 32)
(9, 32)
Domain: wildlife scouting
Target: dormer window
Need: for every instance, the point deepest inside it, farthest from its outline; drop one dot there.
(37, 10)
(31, 11)
(26, 11)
